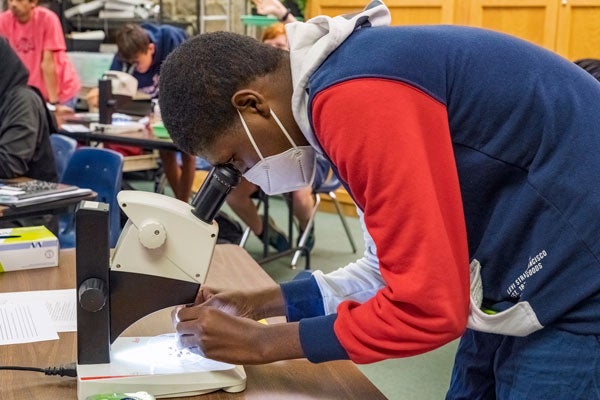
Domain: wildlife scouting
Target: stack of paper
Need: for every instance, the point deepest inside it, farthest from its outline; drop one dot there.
(114, 14)
(88, 35)
(113, 9)
(37, 316)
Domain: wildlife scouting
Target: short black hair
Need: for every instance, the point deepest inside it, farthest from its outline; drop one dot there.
(198, 79)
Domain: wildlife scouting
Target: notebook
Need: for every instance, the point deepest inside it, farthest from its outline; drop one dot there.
(36, 191)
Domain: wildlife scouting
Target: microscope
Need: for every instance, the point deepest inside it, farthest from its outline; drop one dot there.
(116, 90)
(160, 260)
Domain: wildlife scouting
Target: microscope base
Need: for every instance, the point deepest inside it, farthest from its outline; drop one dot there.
(154, 365)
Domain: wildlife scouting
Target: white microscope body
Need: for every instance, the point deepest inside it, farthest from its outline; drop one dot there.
(161, 258)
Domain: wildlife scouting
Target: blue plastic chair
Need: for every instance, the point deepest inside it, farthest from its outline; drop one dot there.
(100, 170)
(328, 185)
(63, 148)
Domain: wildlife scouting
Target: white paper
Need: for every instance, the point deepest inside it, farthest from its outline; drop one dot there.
(60, 305)
(75, 128)
(25, 323)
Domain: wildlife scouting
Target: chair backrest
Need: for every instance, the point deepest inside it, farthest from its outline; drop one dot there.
(325, 179)
(63, 148)
(100, 170)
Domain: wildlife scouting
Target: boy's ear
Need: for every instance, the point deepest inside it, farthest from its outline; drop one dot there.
(250, 100)
(151, 48)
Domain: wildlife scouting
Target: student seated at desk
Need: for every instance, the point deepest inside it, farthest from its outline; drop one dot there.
(25, 126)
(141, 52)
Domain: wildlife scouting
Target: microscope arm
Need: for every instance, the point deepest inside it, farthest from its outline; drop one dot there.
(161, 258)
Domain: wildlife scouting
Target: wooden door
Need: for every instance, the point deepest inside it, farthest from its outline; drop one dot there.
(532, 20)
(578, 29)
(404, 12)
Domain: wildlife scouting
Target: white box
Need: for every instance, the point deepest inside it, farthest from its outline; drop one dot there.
(26, 248)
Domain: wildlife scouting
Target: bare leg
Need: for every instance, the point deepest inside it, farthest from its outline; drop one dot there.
(171, 169)
(241, 203)
(180, 178)
(186, 179)
(303, 204)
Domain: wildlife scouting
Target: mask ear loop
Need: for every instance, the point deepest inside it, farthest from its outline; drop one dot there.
(285, 132)
(249, 135)
(287, 135)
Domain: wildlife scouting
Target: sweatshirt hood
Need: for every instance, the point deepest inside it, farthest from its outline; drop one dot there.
(311, 43)
(14, 72)
(154, 35)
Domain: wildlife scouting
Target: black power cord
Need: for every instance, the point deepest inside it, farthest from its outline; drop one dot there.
(63, 370)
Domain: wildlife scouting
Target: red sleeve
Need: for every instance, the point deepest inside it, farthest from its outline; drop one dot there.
(391, 144)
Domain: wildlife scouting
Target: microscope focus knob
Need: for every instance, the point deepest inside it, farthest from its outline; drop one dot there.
(92, 294)
(152, 234)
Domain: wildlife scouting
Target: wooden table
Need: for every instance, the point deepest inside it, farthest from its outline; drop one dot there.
(231, 267)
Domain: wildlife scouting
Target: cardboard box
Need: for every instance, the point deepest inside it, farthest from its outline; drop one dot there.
(27, 248)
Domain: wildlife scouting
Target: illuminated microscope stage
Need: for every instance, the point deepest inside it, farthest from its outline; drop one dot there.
(156, 365)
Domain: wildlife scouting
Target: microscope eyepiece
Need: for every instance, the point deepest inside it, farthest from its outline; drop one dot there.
(211, 196)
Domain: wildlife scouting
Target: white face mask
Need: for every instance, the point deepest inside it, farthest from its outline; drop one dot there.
(284, 172)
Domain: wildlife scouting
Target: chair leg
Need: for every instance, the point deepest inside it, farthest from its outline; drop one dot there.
(306, 232)
(247, 231)
(245, 236)
(160, 181)
(336, 203)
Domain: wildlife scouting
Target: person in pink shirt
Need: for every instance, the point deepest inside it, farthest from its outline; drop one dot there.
(35, 33)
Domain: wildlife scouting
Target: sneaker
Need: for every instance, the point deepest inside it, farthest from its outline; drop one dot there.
(277, 238)
(310, 239)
